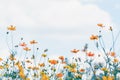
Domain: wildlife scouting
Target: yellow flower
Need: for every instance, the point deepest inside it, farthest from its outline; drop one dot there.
(1, 67)
(107, 78)
(44, 55)
(11, 28)
(1, 59)
(44, 76)
(115, 60)
(104, 69)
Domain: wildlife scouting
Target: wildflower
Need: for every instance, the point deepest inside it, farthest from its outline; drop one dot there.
(100, 25)
(53, 62)
(61, 58)
(23, 44)
(44, 55)
(107, 78)
(75, 51)
(35, 68)
(90, 54)
(59, 75)
(41, 65)
(82, 70)
(94, 37)
(27, 49)
(1, 59)
(28, 61)
(44, 76)
(1, 67)
(33, 42)
(112, 54)
(12, 57)
(115, 60)
(11, 28)
(104, 69)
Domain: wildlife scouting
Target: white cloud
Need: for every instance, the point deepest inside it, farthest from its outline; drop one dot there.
(56, 19)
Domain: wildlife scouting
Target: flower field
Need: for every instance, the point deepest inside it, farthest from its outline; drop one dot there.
(38, 66)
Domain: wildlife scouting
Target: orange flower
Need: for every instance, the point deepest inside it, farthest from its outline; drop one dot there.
(27, 49)
(100, 25)
(90, 54)
(28, 61)
(59, 75)
(75, 51)
(82, 70)
(53, 62)
(23, 44)
(115, 60)
(61, 58)
(41, 65)
(11, 28)
(112, 54)
(1, 59)
(94, 37)
(33, 42)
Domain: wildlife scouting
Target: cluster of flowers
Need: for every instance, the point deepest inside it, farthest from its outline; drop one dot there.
(44, 68)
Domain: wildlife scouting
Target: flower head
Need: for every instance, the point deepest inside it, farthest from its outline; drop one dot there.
(94, 37)
(11, 28)
(100, 25)
(75, 51)
(33, 42)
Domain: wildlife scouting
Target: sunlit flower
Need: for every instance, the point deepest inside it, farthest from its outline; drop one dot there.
(23, 44)
(1, 59)
(90, 54)
(28, 61)
(11, 28)
(59, 75)
(112, 54)
(41, 65)
(94, 37)
(115, 60)
(26, 49)
(75, 51)
(107, 78)
(53, 62)
(44, 55)
(1, 67)
(104, 69)
(82, 70)
(100, 25)
(61, 58)
(33, 42)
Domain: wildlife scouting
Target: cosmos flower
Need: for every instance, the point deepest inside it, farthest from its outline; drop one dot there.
(26, 49)
(33, 42)
(100, 25)
(94, 37)
(11, 28)
(23, 44)
(75, 51)
(90, 54)
(59, 75)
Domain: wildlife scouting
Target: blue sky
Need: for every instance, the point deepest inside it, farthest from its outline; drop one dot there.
(59, 25)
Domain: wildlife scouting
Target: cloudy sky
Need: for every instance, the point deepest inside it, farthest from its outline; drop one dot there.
(59, 25)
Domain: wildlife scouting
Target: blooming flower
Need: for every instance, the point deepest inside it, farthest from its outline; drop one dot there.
(33, 42)
(53, 62)
(26, 49)
(75, 51)
(90, 54)
(11, 28)
(94, 37)
(100, 25)
(23, 44)
(59, 75)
